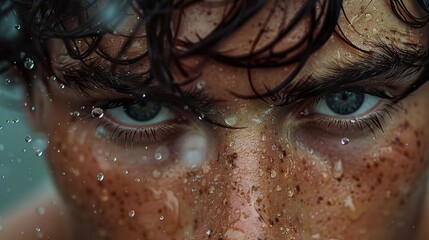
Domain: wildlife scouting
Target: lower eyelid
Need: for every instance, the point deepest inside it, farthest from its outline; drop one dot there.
(148, 135)
(378, 119)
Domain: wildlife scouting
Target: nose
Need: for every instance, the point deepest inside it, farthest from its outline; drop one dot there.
(249, 193)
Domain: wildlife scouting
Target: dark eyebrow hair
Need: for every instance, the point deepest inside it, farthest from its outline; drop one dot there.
(400, 69)
(403, 68)
(91, 78)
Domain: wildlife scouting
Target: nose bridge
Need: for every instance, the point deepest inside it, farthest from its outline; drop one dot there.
(244, 218)
(253, 182)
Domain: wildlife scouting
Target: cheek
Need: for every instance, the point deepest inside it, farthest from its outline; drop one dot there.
(373, 189)
(104, 186)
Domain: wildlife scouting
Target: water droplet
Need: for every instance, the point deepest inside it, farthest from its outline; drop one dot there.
(315, 236)
(76, 113)
(209, 232)
(290, 193)
(1, 127)
(273, 174)
(231, 120)
(278, 188)
(201, 116)
(212, 189)
(257, 121)
(62, 86)
(17, 27)
(39, 233)
(137, 180)
(345, 141)
(201, 84)
(232, 143)
(305, 112)
(264, 138)
(29, 63)
(28, 138)
(354, 210)
(53, 78)
(100, 132)
(38, 152)
(7, 80)
(100, 177)
(368, 17)
(97, 113)
(161, 218)
(161, 153)
(156, 173)
(337, 171)
(131, 213)
(40, 210)
(158, 156)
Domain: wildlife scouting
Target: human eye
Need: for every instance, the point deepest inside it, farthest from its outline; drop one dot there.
(147, 121)
(155, 131)
(345, 115)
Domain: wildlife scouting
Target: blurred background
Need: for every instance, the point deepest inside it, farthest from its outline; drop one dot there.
(23, 171)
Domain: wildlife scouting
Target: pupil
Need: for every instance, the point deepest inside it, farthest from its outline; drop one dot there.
(143, 111)
(344, 103)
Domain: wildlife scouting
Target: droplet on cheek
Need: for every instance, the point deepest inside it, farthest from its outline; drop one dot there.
(337, 170)
(353, 208)
(161, 153)
(193, 149)
(100, 177)
(131, 213)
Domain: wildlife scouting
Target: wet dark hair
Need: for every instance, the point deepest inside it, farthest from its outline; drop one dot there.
(43, 19)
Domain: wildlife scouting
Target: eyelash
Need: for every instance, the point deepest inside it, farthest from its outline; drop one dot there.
(151, 134)
(377, 119)
(147, 135)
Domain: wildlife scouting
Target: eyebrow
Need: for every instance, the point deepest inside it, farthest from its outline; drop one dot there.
(403, 69)
(92, 78)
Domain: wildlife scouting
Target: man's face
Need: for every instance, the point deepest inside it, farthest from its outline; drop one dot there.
(346, 164)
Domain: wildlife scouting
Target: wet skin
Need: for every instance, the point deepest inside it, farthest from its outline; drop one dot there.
(285, 175)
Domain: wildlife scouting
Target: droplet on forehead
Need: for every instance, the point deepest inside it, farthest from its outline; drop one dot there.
(29, 63)
(17, 27)
(62, 86)
(97, 113)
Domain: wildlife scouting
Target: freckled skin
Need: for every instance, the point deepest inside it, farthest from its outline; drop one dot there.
(267, 184)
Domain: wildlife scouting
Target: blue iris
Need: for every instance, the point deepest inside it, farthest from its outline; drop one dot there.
(345, 102)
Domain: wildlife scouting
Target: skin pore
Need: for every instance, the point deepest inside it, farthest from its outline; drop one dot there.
(280, 172)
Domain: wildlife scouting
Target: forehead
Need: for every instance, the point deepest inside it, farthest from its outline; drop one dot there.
(364, 23)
